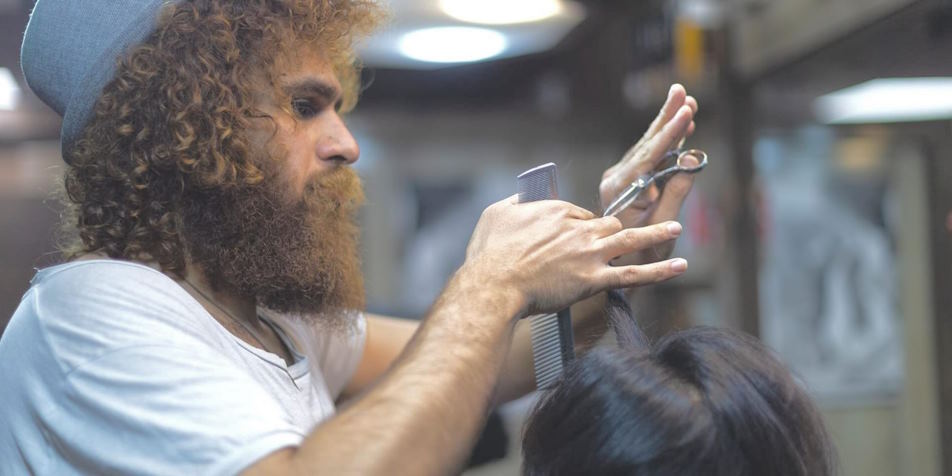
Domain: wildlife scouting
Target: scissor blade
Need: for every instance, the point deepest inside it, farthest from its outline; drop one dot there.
(627, 197)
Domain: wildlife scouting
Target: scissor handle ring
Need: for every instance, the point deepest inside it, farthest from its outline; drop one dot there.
(698, 154)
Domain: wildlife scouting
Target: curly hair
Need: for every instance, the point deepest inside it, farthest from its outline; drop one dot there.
(173, 117)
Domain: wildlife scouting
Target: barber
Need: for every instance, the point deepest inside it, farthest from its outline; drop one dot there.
(209, 314)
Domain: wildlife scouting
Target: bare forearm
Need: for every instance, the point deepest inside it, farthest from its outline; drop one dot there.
(387, 337)
(422, 417)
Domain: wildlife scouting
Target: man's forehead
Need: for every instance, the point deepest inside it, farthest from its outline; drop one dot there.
(308, 73)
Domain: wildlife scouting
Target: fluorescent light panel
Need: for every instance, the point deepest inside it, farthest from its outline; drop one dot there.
(887, 101)
(501, 12)
(9, 91)
(452, 44)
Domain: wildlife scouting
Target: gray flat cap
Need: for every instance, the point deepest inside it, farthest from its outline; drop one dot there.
(70, 49)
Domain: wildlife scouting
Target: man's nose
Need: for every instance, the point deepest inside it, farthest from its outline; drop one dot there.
(338, 144)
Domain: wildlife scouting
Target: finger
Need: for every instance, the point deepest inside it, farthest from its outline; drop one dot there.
(574, 211)
(630, 240)
(687, 133)
(640, 275)
(555, 207)
(582, 214)
(606, 226)
(670, 135)
(676, 98)
(675, 192)
(691, 102)
(627, 171)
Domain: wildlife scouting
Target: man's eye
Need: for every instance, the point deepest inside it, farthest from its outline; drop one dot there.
(303, 108)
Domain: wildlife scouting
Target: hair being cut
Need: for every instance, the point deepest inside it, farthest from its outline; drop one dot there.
(702, 401)
(174, 117)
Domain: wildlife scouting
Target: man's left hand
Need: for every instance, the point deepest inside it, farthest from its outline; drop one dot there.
(674, 124)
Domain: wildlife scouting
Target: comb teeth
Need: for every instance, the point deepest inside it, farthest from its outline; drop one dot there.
(546, 348)
(551, 334)
(538, 183)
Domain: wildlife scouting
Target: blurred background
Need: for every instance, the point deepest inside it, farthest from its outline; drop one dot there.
(823, 224)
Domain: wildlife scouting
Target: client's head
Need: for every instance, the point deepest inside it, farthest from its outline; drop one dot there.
(702, 401)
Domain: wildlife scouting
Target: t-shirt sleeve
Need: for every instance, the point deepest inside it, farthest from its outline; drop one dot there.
(342, 354)
(167, 410)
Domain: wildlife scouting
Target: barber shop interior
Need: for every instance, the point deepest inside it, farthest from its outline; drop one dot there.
(740, 262)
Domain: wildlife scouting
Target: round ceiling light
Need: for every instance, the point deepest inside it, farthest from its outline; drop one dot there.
(501, 12)
(452, 44)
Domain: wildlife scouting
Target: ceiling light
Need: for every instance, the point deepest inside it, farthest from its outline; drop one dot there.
(887, 101)
(9, 91)
(501, 12)
(452, 44)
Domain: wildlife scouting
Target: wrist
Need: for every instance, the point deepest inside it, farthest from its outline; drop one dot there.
(486, 286)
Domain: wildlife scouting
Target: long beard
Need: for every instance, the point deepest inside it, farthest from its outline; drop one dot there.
(297, 257)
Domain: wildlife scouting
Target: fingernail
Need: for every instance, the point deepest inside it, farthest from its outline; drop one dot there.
(679, 265)
(674, 228)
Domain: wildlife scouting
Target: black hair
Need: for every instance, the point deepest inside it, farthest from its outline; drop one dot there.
(701, 401)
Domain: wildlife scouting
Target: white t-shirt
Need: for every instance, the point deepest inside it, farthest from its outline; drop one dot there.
(110, 367)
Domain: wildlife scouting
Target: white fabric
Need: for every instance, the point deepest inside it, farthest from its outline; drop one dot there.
(110, 367)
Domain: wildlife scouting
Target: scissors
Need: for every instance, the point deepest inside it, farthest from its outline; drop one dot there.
(659, 178)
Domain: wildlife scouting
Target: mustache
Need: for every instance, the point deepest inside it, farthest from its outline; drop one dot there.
(340, 189)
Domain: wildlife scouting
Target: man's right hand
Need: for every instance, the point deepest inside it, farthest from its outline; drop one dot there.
(555, 253)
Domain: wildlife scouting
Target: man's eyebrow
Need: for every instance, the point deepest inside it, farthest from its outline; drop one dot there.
(313, 87)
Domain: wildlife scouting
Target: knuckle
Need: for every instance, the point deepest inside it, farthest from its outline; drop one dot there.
(565, 209)
(589, 227)
(594, 228)
(624, 240)
(613, 225)
(633, 238)
(633, 275)
(603, 228)
(584, 214)
(552, 208)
